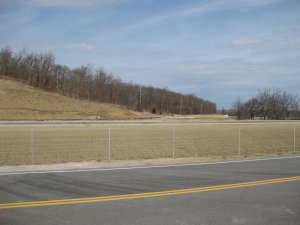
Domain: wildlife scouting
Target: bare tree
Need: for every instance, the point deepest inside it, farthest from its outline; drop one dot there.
(268, 104)
(252, 106)
(238, 108)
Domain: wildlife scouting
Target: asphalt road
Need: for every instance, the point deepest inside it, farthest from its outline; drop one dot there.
(273, 202)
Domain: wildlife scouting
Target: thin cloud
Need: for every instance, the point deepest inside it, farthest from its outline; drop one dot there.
(82, 46)
(280, 38)
(196, 10)
(62, 3)
(247, 41)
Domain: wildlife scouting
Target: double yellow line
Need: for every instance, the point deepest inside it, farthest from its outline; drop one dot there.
(144, 195)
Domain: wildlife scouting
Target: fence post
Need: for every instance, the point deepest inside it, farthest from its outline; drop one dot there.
(109, 146)
(294, 138)
(173, 143)
(239, 141)
(32, 145)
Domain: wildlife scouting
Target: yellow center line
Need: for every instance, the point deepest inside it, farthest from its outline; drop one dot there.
(145, 195)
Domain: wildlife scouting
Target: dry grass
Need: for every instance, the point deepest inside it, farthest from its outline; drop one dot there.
(22, 102)
(214, 117)
(21, 145)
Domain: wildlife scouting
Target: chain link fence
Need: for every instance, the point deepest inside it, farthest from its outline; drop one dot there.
(48, 144)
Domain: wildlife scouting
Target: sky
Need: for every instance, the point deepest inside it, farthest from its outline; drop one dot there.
(215, 49)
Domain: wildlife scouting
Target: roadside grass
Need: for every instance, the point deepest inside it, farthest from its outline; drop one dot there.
(48, 144)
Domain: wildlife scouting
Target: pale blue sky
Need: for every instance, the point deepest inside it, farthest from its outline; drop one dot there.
(213, 48)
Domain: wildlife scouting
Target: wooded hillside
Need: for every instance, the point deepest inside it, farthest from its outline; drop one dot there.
(83, 82)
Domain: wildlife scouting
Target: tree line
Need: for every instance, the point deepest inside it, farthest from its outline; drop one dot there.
(83, 82)
(272, 104)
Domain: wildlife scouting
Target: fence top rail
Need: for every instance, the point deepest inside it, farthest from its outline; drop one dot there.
(140, 121)
(155, 123)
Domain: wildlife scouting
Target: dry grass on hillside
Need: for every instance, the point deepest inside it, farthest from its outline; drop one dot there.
(22, 102)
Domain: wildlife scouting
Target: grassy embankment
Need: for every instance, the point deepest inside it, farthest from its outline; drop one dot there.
(22, 102)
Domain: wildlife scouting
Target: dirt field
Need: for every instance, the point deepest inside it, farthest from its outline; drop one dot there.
(47, 144)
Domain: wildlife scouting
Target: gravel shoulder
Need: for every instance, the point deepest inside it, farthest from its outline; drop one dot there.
(136, 163)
